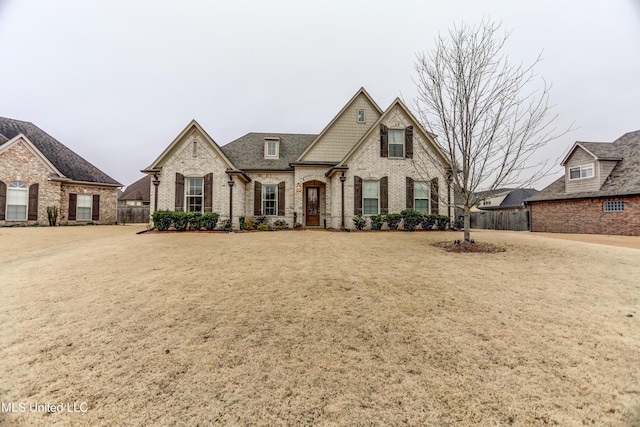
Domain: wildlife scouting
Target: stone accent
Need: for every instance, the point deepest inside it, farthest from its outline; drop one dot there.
(586, 216)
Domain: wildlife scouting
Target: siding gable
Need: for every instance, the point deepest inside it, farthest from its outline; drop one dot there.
(344, 131)
(580, 157)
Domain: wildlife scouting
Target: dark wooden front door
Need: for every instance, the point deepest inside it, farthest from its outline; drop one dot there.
(313, 206)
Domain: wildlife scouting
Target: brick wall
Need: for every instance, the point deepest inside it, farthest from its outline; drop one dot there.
(586, 216)
(108, 202)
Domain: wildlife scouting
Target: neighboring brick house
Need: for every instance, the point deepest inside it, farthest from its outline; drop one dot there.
(599, 193)
(37, 172)
(365, 161)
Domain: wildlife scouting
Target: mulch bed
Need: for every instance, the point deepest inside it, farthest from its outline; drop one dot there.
(464, 247)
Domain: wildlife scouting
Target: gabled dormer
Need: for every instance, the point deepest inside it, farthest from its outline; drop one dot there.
(272, 147)
(588, 165)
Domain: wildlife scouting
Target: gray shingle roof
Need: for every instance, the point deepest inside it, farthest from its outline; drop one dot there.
(247, 152)
(64, 159)
(515, 199)
(139, 190)
(624, 179)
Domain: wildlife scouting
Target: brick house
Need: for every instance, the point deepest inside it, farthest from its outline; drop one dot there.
(37, 172)
(365, 161)
(598, 194)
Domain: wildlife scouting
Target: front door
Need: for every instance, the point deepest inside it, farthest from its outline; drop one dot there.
(313, 206)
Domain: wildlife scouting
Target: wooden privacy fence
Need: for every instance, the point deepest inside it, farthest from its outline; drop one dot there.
(133, 214)
(499, 220)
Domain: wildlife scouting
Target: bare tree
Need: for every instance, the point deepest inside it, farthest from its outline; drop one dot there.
(489, 116)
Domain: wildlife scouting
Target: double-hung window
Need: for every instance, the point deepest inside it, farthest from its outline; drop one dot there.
(269, 199)
(17, 201)
(421, 197)
(396, 142)
(194, 194)
(580, 172)
(370, 197)
(83, 208)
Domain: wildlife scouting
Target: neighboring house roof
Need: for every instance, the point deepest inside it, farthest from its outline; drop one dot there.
(247, 152)
(515, 198)
(624, 179)
(139, 190)
(70, 164)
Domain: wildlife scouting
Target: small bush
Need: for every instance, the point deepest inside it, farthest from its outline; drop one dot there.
(227, 225)
(278, 228)
(249, 223)
(209, 220)
(263, 226)
(377, 221)
(162, 220)
(297, 226)
(241, 222)
(295, 217)
(442, 221)
(393, 221)
(195, 220)
(410, 219)
(284, 225)
(262, 219)
(180, 220)
(359, 222)
(52, 215)
(428, 221)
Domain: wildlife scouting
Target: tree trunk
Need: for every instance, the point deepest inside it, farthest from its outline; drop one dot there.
(467, 224)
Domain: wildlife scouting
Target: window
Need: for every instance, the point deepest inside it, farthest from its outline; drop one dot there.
(421, 197)
(360, 115)
(396, 143)
(269, 199)
(17, 201)
(614, 206)
(271, 148)
(370, 197)
(83, 209)
(194, 194)
(580, 172)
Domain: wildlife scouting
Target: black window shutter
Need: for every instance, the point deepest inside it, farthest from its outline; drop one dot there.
(281, 199)
(384, 141)
(95, 211)
(357, 195)
(434, 197)
(410, 201)
(33, 203)
(257, 198)
(3, 200)
(179, 196)
(408, 142)
(73, 198)
(208, 192)
(384, 195)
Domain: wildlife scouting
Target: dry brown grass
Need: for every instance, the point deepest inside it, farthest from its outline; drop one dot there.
(300, 328)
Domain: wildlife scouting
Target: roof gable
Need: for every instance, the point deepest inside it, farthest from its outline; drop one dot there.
(343, 131)
(396, 104)
(598, 150)
(20, 138)
(68, 164)
(193, 126)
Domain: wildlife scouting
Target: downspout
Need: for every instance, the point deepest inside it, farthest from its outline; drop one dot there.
(342, 180)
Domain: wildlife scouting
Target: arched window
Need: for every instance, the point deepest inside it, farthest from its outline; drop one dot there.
(17, 198)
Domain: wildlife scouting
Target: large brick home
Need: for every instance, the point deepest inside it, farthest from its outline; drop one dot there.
(598, 194)
(37, 172)
(365, 161)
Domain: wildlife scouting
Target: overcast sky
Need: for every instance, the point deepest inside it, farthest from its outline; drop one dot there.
(117, 80)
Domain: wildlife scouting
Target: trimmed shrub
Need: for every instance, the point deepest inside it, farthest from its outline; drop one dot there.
(359, 222)
(263, 226)
(428, 221)
(393, 220)
(227, 225)
(195, 220)
(249, 223)
(284, 225)
(262, 219)
(442, 221)
(377, 221)
(180, 220)
(410, 219)
(162, 220)
(209, 220)
(241, 222)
